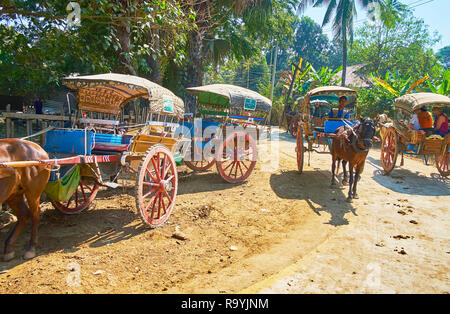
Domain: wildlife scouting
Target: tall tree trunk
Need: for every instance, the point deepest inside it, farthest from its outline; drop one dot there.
(344, 58)
(152, 59)
(124, 36)
(194, 67)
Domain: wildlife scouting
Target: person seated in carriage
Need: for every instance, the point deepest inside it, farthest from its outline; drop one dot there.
(440, 122)
(422, 120)
(340, 113)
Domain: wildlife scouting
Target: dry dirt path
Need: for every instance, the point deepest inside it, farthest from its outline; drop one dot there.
(279, 232)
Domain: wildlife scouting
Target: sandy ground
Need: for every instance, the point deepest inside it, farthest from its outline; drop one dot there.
(279, 232)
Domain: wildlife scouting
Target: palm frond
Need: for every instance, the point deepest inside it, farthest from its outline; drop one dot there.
(417, 83)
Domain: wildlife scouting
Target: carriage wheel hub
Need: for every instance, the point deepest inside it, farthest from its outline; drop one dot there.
(164, 185)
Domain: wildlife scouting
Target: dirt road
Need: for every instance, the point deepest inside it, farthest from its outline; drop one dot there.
(279, 232)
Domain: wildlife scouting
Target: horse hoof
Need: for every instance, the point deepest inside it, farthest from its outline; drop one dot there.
(356, 197)
(9, 256)
(349, 200)
(30, 254)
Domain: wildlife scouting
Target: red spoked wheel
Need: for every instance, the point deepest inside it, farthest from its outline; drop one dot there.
(443, 160)
(80, 200)
(156, 186)
(389, 150)
(300, 149)
(237, 157)
(198, 166)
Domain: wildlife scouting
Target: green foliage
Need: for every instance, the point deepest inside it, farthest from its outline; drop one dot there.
(311, 44)
(444, 56)
(405, 47)
(441, 85)
(33, 59)
(40, 47)
(380, 98)
(396, 84)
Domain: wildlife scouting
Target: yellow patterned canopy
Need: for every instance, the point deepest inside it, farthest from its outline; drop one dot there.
(108, 93)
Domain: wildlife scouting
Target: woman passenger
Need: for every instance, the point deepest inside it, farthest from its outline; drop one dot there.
(440, 122)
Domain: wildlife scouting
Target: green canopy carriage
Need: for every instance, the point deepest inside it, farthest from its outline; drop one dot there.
(223, 105)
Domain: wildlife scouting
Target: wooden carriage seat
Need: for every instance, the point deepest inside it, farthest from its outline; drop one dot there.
(111, 142)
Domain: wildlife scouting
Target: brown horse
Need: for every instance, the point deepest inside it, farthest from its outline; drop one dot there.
(352, 145)
(21, 189)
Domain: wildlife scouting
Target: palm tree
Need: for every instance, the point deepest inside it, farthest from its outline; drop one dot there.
(344, 12)
(210, 14)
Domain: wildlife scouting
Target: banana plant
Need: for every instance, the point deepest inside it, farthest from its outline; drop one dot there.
(441, 86)
(310, 78)
(326, 76)
(301, 81)
(397, 85)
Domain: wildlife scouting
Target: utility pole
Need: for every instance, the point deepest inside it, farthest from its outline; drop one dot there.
(274, 71)
(248, 74)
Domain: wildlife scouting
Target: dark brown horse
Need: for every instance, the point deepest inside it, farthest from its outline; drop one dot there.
(21, 189)
(352, 145)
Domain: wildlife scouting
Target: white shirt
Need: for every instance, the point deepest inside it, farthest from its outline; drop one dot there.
(415, 121)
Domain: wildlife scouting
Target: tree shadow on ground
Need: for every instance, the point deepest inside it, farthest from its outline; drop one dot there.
(95, 227)
(314, 187)
(405, 181)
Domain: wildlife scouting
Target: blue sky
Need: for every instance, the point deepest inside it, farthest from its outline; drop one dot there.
(435, 13)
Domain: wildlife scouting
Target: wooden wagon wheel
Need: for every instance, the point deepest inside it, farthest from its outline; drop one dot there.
(237, 157)
(156, 186)
(80, 200)
(443, 160)
(300, 149)
(198, 166)
(389, 150)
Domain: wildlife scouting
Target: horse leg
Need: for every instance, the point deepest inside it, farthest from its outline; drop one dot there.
(33, 204)
(21, 210)
(357, 177)
(333, 169)
(349, 198)
(345, 179)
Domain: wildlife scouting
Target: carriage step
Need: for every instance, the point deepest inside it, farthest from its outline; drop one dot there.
(111, 185)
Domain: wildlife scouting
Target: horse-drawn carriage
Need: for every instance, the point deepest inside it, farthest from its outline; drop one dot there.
(400, 138)
(234, 114)
(98, 148)
(316, 126)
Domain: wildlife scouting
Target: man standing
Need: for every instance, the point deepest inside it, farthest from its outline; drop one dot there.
(38, 106)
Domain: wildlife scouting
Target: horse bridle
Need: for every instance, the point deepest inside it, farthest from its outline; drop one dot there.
(355, 139)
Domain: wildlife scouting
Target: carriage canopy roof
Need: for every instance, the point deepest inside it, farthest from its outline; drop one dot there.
(108, 93)
(320, 103)
(229, 96)
(329, 94)
(412, 102)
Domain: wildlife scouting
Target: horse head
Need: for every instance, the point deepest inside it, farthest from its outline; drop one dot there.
(365, 133)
